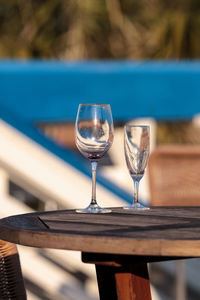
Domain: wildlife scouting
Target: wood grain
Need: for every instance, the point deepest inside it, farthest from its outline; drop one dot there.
(160, 231)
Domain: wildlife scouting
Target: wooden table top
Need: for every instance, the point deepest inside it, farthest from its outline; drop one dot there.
(160, 231)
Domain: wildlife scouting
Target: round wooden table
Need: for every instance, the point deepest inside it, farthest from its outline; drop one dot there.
(120, 244)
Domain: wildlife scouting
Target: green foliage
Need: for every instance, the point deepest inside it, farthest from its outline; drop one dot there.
(77, 29)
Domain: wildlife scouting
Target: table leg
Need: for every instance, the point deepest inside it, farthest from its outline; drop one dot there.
(118, 280)
(106, 282)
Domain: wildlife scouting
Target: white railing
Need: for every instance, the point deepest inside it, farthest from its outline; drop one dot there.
(45, 175)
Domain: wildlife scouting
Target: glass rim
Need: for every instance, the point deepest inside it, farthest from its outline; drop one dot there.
(93, 104)
(134, 126)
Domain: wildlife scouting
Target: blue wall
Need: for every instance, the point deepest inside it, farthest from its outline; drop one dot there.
(52, 90)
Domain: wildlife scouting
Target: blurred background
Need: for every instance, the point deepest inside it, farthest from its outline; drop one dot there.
(114, 29)
(142, 57)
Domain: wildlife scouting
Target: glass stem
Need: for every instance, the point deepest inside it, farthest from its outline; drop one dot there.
(94, 169)
(136, 190)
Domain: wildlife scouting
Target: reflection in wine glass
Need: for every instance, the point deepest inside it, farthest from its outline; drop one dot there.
(136, 148)
(94, 136)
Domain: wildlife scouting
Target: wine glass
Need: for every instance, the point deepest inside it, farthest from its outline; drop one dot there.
(136, 148)
(94, 136)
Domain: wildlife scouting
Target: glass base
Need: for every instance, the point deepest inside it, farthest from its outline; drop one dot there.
(136, 206)
(93, 209)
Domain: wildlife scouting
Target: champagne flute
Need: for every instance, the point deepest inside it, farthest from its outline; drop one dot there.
(136, 148)
(94, 136)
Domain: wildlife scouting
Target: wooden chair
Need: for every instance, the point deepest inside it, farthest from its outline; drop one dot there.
(11, 280)
(174, 175)
(174, 179)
